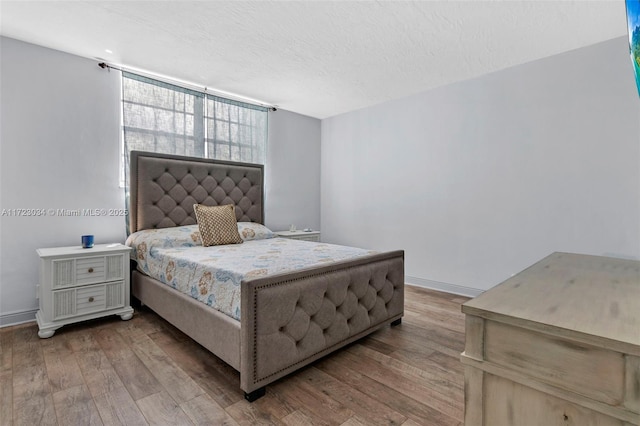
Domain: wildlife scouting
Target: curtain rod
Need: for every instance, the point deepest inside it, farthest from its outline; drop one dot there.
(202, 89)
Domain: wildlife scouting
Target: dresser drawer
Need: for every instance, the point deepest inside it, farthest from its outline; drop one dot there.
(509, 403)
(586, 370)
(87, 270)
(90, 299)
(84, 300)
(78, 301)
(90, 270)
(300, 235)
(315, 238)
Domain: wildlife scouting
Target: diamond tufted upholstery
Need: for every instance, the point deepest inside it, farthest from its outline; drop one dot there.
(306, 316)
(164, 189)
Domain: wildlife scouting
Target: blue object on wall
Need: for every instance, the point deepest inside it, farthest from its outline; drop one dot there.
(633, 28)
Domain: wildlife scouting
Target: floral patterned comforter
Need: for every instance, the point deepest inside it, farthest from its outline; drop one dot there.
(212, 275)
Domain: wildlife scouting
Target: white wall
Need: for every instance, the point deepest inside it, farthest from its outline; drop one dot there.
(475, 181)
(60, 130)
(479, 179)
(292, 173)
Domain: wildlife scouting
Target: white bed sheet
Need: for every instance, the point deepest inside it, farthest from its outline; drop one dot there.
(213, 275)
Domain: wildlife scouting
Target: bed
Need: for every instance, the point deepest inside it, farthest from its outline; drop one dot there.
(288, 319)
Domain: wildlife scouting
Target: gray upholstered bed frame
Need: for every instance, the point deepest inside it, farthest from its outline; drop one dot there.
(288, 320)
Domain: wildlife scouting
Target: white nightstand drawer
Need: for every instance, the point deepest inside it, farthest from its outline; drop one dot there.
(90, 270)
(87, 270)
(84, 300)
(73, 302)
(315, 238)
(300, 235)
(90, 299)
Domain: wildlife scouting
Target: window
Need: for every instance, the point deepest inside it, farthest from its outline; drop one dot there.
(163, 117)
(235, 131)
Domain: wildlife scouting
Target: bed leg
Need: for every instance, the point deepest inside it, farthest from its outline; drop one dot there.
(396, 322)
(258, 393)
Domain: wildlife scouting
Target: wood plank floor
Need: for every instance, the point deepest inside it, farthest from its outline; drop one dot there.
(145, 371)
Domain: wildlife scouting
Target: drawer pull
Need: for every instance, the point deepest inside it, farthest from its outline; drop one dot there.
(91, 299)
(90, 270)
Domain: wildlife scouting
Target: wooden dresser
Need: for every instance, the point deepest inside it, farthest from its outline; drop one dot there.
(557, 344)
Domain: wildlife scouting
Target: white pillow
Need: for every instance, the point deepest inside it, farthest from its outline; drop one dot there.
(254, 231)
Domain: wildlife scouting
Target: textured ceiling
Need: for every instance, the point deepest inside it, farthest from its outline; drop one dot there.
(316, 58)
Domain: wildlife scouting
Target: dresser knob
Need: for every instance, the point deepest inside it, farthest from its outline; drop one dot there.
(90, 270)
(91, 299)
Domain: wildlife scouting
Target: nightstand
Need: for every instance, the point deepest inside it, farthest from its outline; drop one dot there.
(300, 235)
(78, 284)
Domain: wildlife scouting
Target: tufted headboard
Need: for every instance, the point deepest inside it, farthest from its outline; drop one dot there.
(164, 188)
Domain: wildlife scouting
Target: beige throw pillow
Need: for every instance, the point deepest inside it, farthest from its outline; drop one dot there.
(217, 224)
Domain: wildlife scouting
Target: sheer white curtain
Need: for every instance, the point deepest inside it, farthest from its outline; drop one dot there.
(162, 117)
(235, 131)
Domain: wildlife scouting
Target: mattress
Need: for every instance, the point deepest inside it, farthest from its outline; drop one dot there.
(212, 275)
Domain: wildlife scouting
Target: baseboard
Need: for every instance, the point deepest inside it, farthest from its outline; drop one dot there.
(21, 317)
(446, 287)
(17, 317)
